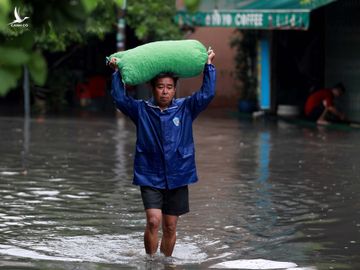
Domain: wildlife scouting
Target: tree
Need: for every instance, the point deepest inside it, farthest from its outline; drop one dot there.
(153, 19)
(52, 26)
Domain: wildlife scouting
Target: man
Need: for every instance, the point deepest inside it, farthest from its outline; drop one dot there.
(164, 162)
(320, 105)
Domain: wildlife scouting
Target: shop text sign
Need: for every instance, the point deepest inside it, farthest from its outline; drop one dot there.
(254, 19)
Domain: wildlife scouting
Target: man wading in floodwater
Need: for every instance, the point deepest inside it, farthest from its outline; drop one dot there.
(165, 159)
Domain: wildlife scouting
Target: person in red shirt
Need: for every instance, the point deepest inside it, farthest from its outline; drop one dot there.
(320, 105)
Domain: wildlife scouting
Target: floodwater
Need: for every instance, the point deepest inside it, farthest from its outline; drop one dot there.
(272, 191)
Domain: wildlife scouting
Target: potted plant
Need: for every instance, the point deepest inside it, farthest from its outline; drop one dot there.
(245, 44)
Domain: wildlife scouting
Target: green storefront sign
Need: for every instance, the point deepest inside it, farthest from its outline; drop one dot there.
(252, 14)
(247, 19)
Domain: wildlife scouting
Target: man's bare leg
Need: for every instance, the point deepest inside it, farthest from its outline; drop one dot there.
(169, 234)
(322, 119)
(151, 239)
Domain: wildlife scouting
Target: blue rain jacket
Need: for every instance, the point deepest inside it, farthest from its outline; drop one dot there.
(165, 154)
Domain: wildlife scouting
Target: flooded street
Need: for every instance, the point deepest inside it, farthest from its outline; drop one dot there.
(272, 191)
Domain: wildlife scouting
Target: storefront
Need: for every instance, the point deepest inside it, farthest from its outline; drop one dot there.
(317, 49)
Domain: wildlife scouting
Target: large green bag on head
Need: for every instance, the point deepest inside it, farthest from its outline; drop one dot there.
(185, 58)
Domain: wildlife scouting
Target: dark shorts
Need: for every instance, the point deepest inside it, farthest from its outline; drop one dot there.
(316, 112)
(173, 202)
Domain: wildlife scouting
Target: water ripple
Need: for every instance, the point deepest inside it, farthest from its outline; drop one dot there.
(264, 192)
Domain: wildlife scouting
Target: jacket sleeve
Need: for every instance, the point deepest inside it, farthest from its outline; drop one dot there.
(201, 99)
(124, 103)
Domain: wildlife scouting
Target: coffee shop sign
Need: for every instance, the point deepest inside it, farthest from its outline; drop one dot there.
(247, 19)
(257, 20)
(234, 19)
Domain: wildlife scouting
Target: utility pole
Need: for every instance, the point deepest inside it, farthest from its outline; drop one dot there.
(26, 143)
(121, 36)
(26, 88)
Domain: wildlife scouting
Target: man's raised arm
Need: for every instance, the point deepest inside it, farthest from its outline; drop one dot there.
(124, 103)
(201, 99)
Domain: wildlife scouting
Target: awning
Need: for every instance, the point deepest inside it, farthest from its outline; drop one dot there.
(252, 14)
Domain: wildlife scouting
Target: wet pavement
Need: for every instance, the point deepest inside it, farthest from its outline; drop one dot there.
(267, 190)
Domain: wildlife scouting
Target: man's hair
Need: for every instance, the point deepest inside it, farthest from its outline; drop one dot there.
(340, 86)
(164, 75)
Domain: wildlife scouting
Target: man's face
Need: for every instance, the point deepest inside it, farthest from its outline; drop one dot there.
(164, 91)
(337, 92)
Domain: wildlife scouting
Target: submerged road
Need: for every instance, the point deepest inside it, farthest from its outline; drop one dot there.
(270, 191)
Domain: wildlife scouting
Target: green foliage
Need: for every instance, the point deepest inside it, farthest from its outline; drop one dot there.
(89, 5)
(11, 62)
(8, 78)
(71, 22)
(4, 10)
(153, 20)
(37, 68)
(192, 5)
(52, 26)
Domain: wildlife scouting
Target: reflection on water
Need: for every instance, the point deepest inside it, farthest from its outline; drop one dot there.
(271, 191)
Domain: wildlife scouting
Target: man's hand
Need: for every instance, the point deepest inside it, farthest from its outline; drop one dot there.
(113, 63)
(337, 113)
(211, 55)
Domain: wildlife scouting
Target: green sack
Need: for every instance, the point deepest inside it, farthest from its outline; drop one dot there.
(185, 58)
